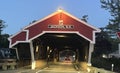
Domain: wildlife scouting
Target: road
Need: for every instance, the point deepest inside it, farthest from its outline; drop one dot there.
(54, 68)
(59, 68)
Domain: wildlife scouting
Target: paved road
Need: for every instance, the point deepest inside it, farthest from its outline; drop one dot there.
(56, 68)
(59, 68)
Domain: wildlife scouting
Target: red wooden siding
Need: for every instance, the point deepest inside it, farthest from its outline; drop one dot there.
(19, 37)
(38, 27)
(54, 20)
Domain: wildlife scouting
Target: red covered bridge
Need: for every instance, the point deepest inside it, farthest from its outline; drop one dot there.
(53, 35)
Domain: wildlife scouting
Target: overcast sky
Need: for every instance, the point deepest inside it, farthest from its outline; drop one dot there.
(19, 13)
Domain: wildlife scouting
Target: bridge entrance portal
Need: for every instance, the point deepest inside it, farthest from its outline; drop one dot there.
(61, 47)
(58, 37)
(67, 56)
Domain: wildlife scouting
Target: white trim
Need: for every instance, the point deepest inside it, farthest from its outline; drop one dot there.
(76, 32)
(27, 34)
(32, 55)
(53, 32)
(98, 30)
(17, 34)
(11, 45)
(41, 20)
(17, 53)
(91, 48)
(25, 28)
(119, 48)
(16, 50)
(27, 31)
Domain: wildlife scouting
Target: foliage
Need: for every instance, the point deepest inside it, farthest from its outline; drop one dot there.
(101, 63)
(103, 44)
(107, 41)
(2, 25)
(4, 43)
(113, 6)
(106, 63)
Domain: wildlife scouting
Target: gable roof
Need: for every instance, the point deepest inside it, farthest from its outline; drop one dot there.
(57, 22)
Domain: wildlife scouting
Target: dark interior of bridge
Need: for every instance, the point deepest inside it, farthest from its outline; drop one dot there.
(63, 40)
(66, 41)
(59, 43)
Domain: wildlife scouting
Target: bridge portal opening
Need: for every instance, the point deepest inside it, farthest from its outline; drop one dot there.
(60, 46)
(67, 56)
(47, 39)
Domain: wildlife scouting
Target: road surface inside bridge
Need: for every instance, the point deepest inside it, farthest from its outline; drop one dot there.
(60, 68)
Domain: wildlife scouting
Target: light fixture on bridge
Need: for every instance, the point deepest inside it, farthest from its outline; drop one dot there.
(37, 47)
(60, 10)
(61, 36)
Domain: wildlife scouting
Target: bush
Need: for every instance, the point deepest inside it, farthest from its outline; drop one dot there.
(106, 63)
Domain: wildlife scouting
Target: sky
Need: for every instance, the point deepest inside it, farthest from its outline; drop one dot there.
(19, 13)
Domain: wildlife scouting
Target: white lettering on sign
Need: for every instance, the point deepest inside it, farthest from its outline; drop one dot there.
(61, 26)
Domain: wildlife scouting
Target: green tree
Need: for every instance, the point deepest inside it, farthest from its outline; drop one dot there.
(107, 41)
(113, 6)
(2, 25)
(103, 45)
(3, 37)
(5, 42)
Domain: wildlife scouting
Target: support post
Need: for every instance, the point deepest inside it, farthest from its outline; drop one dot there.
(77, 54)
(91, 48)
(119, 48)
(16, 49)
(32, 55)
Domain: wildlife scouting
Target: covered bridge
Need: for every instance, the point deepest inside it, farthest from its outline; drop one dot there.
(58, 36)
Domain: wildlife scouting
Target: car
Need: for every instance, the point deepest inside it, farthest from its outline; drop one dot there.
(67, 60)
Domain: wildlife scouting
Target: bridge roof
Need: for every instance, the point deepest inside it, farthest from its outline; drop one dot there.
(57, 22)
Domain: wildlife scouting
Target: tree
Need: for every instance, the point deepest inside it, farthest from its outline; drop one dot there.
(103, 45)
(2, 25)
(5, 42)
(113, 6)
(3, 37)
